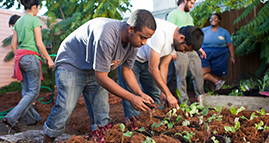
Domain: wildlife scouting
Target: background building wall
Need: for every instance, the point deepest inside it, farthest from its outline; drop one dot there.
(6, 71)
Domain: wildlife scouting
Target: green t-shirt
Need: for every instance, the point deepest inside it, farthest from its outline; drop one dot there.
(180, 18)
(25, 32)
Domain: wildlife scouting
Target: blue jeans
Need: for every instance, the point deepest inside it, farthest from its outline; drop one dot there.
(30, 69)
(70, 85)
(146, 83)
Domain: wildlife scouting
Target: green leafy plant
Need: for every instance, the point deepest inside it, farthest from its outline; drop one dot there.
(236, 111)
(247, 84)
(262, 112)
(149, 140)
(252, 116)
(214, 117)
(186, 123)
(234, 128)
(213, 138)
(226, 87)
(186, 135)
(212, 93)
(264, 82)
(236, 92)
(218, 109)
(144, 130)
(127, 133)
(259, 126)
(13, 86)
(154, 126)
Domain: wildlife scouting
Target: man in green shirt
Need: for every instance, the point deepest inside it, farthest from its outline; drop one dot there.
(183, 61)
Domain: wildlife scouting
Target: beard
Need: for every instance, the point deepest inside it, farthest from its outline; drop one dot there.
(186, 8)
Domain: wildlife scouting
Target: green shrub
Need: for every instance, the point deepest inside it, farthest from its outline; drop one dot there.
(13, 86)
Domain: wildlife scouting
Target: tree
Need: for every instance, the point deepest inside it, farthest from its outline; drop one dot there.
(249, 38)
(73, 13)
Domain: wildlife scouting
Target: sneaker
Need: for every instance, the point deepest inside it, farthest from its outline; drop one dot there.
(219, 84)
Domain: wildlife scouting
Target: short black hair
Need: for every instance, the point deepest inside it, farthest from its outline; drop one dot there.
(29, 3)
(13, 19)
(194, 36)
(180, 1)
(216, 15)
(141, 18)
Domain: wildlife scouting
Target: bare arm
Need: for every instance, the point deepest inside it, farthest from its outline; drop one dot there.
(202, 53)
(41, 46)
(132, 83)
(113, 87)
(14, 42)
(160, 76)
(231, 51)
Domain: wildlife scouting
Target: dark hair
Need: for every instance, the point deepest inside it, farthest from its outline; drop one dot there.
(216, 15)
(180, 1)
(141, 18)
(29, 3)
(13, 19)
(194, 36)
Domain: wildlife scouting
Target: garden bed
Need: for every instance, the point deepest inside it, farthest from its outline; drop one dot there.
(188, 124)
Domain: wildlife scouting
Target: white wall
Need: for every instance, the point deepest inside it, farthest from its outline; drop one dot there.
(6, 68)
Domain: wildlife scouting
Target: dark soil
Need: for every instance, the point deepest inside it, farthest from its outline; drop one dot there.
(79, 123)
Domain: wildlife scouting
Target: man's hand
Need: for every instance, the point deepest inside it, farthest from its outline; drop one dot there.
(163, 100)
(168, 101)
(138, 104)
(202, 53)
(146, 97)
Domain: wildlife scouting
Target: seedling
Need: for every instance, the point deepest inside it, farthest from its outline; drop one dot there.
(264, 82)
(234, 128)
(144, 130)
(204, 112)
(243, 117)
(153, 126)
(127, 134)
(212, 93)
(172, 113)
(236, 92)
(252, 116)
(179, 96)
(149, 140)
(186, 123)
(262, 112)
(226, 87)
(215, 117)
(179, 118)
(259, 126)
(246, 140)
(187, 137)
(218, 109)
(235, 112)
(213, 138)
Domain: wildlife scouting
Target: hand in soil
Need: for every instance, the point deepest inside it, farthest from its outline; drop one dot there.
(152, 105)
(139, 104)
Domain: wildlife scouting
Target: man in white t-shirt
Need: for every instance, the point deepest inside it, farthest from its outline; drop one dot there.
(151, 64)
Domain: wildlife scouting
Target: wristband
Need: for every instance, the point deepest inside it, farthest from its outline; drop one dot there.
(133, 98)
